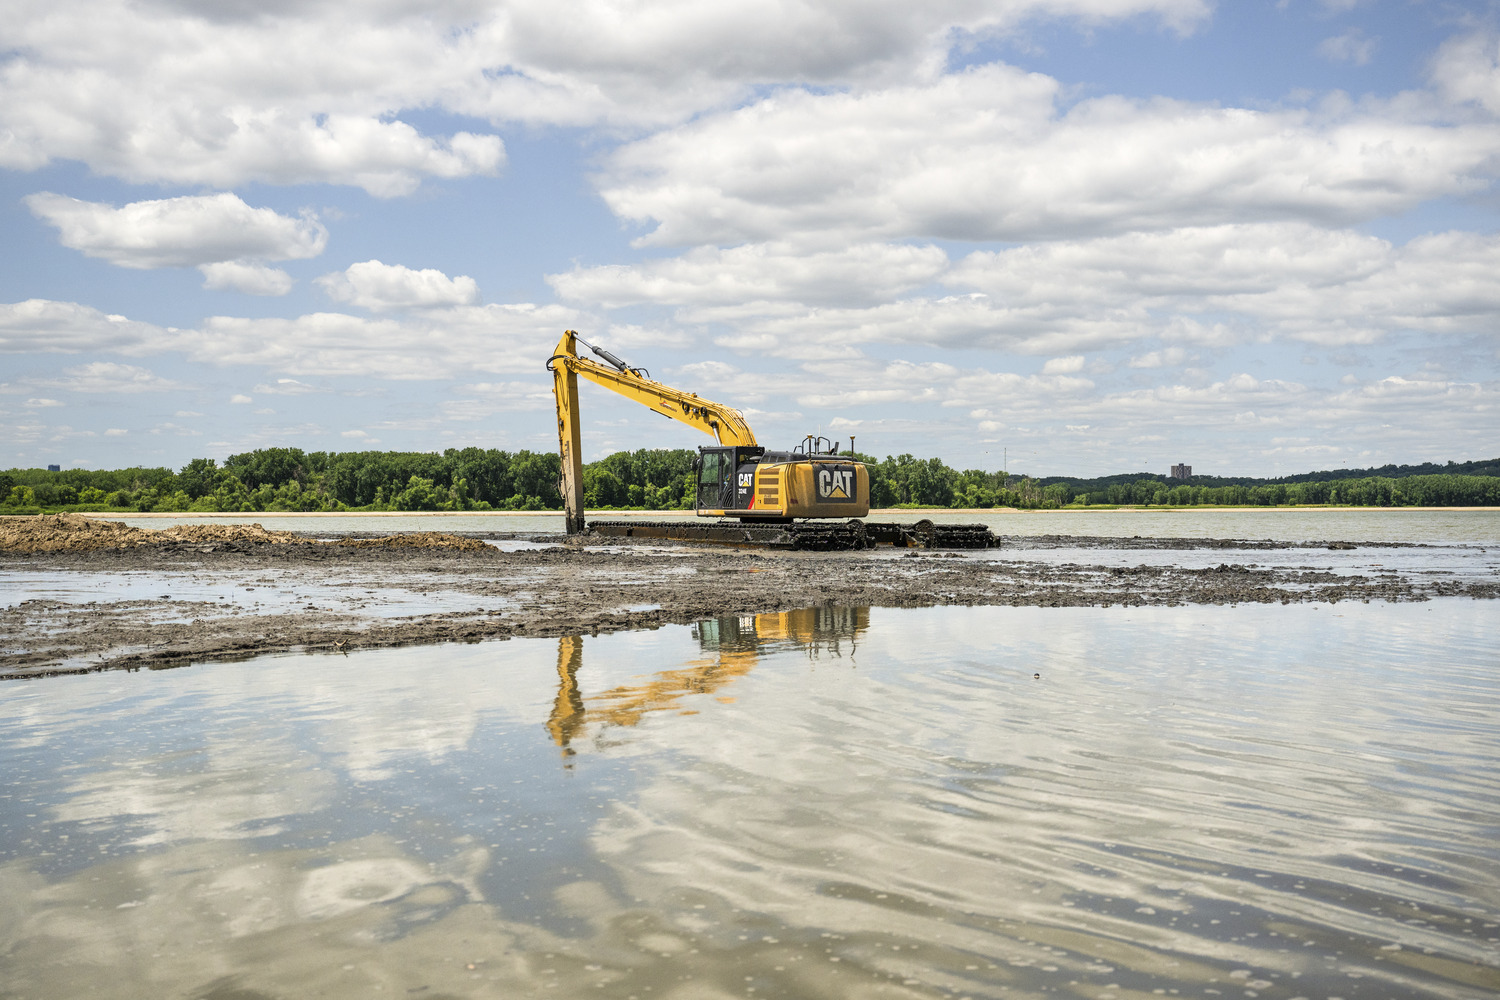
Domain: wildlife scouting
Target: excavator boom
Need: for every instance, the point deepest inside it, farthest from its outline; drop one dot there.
(738, 478)
(724, 423)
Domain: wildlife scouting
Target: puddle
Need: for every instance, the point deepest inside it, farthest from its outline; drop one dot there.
(835, 802)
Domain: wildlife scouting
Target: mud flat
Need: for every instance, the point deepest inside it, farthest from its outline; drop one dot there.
(80, 595)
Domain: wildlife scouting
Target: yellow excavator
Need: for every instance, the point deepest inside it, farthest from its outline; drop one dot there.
(739, 478)
(811, 497)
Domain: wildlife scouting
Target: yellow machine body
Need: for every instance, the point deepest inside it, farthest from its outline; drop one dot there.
(739, 478)
(817, 486)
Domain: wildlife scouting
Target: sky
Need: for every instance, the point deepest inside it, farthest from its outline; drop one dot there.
(1062, 237)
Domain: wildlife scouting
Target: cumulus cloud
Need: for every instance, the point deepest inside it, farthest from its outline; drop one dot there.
(1466, 68)
(985, 155)
(436, 344)
(223, 95)
(246, 276)
(376, 286)
(190, 231)
(759, 272)
(153, 92)
(1168, 357)
(1201, 286)
(1247, 421)
(45, 326)
(108, 377)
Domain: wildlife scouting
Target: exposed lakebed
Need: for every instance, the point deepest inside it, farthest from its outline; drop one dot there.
(202, 597)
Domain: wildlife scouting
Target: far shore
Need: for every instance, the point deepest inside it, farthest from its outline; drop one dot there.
(883, 513)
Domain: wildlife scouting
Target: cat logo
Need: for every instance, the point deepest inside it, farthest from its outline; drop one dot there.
(836, 483)
(746, 479)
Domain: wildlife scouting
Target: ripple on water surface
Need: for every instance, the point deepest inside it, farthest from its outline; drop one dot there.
(1274, 802)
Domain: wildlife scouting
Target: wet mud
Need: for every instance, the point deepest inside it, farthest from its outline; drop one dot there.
(178, 599)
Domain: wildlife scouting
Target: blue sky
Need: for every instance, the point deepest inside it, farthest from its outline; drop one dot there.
(1093, 236)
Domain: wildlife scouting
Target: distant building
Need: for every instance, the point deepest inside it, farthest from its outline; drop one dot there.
(54, 468)
(1182, 472)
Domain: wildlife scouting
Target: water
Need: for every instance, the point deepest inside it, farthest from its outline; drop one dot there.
(1363, 524)
(1259, 801)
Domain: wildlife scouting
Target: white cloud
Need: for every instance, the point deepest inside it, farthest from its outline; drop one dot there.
(41, 325)
(1170, 357)
(759, 272)
(1208, 287)
(286, 387)
(1467, 68)
(985, 155)
(116, 432)
(151, 93)
(376, 286)
(1353, 46)
(250, 278)
(1063, 366)
(240, 399)
(207, 94)
(435, 344)
(107, 377)
(179, 232)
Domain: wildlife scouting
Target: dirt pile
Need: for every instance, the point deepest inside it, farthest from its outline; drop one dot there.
(68, 533)
(75, 533)
(416, 540)
(210, 533)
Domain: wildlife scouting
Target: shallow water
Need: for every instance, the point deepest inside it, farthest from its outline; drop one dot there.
(1351, 525)
(1260, 801)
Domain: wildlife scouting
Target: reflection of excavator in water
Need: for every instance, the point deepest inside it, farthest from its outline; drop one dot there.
(735, 643)
(766, 492)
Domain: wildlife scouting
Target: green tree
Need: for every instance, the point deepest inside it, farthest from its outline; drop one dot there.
(21, 496)
(419, 494)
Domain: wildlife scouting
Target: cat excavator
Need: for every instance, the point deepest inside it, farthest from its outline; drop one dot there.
(785, 499)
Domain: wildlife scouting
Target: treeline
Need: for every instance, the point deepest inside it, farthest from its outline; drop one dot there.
(1487, 467)
(288, 479)
(1374, 491)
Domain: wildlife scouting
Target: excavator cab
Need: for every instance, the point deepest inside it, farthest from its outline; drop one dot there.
(726, 478)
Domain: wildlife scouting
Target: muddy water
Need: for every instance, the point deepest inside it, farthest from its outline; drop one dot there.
(1259, 801)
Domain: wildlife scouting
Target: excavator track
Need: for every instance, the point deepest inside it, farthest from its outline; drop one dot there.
(814, 536)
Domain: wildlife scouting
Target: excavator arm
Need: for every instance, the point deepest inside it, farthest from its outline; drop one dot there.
(724, 423)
